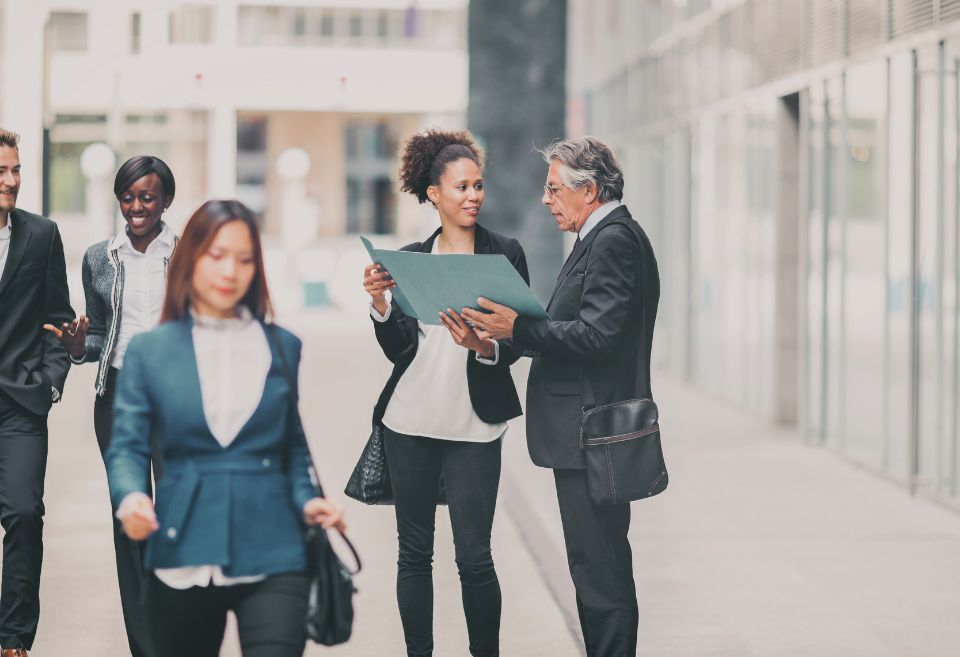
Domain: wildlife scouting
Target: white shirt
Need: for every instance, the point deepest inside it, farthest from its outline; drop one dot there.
(432, 398)
(233, 359)
(144, 281)
(4, 245)
(596, 217)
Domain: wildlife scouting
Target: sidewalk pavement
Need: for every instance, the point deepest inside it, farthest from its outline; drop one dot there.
(761, 546)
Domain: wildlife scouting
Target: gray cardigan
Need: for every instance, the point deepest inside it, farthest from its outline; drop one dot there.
(103, 279)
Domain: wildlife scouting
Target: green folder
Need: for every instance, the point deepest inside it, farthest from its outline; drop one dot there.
(428, 284)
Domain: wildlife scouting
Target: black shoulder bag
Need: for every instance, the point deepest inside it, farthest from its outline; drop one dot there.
(329, 618)
(621, 441)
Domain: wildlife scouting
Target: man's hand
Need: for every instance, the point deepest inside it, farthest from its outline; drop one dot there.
(73, 335)
(497, 324)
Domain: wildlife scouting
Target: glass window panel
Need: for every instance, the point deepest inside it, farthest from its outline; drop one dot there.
(815, 261)
(900, 204)
(865, 261)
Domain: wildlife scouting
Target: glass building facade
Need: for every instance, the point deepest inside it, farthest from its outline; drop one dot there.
(795, 164)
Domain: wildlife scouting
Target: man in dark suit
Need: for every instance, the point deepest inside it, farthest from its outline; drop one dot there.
(33, 369)
(600, 331)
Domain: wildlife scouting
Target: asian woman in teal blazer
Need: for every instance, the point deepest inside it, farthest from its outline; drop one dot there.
(206, 396)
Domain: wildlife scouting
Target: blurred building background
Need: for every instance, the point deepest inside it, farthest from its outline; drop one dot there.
(794, 161)
(221, 89)
(796, 164)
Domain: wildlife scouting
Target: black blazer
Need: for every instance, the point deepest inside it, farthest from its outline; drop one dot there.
(33, 292)
(492, 392)
(588, 352)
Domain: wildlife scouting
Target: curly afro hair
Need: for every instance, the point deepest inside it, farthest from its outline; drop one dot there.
(427, 154)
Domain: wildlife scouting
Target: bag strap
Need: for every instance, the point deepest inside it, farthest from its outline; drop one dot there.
(294, 391)
(642, 381)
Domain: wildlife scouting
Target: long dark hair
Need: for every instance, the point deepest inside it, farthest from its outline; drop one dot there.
(198, 234)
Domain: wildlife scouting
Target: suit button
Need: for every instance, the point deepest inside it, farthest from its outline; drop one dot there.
(172, 532)
(266, 463)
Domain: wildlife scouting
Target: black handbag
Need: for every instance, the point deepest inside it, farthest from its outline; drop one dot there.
(370, 480)
(621, 441)
(329, 618)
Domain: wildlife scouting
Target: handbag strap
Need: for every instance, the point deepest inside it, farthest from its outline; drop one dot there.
(642, 381)
(294, 391)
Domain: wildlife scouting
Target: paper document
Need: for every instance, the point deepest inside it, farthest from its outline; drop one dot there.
(428, 284)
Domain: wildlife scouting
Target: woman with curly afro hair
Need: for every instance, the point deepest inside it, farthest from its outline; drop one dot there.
(441, 419)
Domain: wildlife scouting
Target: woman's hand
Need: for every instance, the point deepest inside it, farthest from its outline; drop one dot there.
(324, 512)
(73, 335)
(464, 335)
(376, 281)
(137, 516)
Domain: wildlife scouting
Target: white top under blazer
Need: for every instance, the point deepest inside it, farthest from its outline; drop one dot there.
(432, 398)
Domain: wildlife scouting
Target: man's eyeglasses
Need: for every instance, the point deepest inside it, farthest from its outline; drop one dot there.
(550, 190)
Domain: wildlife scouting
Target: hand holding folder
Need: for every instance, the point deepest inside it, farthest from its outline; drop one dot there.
(428, 284)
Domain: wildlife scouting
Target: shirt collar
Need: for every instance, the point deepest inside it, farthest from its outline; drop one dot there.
(597, 216)
(242, 319)
(6, 231)
(166, 237)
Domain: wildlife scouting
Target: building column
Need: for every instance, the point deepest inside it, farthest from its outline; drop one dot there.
(21, 104)
(222, 153)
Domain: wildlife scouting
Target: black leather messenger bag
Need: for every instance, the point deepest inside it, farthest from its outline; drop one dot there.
(621, 441)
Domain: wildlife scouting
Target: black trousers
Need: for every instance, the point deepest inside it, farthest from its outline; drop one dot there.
(191, 622)
(601, 565)
(129, 554)
(471, 474)
(23, 465)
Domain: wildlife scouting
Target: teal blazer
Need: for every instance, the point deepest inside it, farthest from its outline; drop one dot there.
(238, 507)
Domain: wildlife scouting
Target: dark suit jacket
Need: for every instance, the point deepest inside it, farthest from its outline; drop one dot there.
(602, 314)
(240, 506)
(492, 392)
(33, 292)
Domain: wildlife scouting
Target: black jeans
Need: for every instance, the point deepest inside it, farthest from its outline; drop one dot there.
(471, 474)
(129, 554)
(23, 465)
(191, 622)
(601, 565)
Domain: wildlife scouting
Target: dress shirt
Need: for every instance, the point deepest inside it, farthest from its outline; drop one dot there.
(233, 359)
(144, 280)
(4, 245)
(596, 217)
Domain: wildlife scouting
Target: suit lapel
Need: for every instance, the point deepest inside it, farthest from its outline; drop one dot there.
(19, 239)
(579, 251)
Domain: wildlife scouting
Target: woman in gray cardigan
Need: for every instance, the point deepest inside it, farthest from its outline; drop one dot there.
(124, 282)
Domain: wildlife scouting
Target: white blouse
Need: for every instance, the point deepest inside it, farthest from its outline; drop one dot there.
(144, 281)
(233, 359)
(432, 398)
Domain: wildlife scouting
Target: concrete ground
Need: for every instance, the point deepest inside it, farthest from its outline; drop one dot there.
(762, 546)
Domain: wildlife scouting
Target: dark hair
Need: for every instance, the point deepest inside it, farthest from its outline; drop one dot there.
(9, 139)
(427, 154)
(198, 234)
(143, 165)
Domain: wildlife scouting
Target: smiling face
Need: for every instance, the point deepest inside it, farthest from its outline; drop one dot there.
(459, 194)
(142, 205)
(9, 179)
(223, 273)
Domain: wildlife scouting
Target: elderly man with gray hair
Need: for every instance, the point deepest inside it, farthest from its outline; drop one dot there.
(594, 350)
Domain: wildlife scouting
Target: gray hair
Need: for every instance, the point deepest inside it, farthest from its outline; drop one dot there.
(587, 160)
